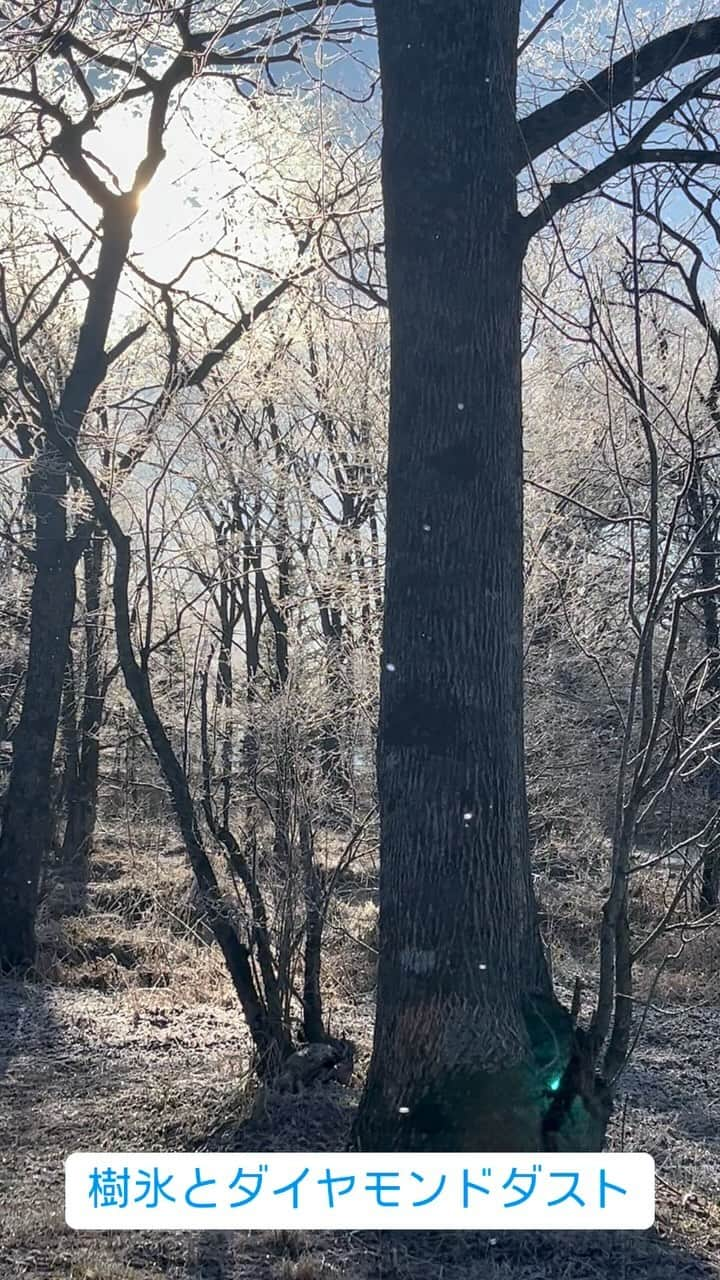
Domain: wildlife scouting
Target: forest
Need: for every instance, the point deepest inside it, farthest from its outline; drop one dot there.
(359, 609)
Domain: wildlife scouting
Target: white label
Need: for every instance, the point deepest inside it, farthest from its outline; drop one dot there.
(131, 1191)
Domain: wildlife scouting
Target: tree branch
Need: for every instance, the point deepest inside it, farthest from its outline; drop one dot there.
(539, 26)
(561, 194)
(555, 122)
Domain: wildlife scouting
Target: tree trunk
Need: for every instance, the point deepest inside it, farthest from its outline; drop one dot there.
(83, 793)
(272, 1042)
(334, 732)
(470, 1044)
(69, 738)
(706, 565)
(27, 823)
(313, 1028)
(224, 693)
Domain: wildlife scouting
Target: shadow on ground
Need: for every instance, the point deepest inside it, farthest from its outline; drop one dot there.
(28, 1031)
(321, 1119)
(105, 1078)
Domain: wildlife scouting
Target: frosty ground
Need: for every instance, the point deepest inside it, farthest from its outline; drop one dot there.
(93, 1056)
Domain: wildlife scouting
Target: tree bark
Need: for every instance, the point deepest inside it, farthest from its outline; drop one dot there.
(334, 733)
(83, 793)
(27, 824)
(470, 1044)
(706, 566)
(27, 821)
(313, 1028)
(69, 738)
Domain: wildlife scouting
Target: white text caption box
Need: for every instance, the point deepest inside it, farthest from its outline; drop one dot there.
(169, 1191)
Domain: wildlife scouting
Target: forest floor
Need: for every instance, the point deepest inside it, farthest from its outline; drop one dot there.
(94, 1057)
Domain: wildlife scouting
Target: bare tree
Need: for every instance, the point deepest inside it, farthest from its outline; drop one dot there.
(671, 267)
(632, 620)
(65, 80)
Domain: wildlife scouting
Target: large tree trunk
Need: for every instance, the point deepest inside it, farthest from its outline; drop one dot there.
(469, 1041)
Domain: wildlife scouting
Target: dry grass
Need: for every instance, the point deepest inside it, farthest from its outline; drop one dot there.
(127, 985)
(138, 925)
(686, 957)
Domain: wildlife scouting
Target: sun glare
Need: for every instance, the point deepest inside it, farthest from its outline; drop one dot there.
(175, 214)
(213, 190)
